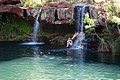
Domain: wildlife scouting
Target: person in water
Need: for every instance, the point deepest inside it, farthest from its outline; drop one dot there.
(69, 42)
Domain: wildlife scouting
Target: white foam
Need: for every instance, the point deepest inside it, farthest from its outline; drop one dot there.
(33, 43)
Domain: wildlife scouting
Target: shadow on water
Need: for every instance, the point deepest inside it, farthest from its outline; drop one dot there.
(12, 50)
(81, 56)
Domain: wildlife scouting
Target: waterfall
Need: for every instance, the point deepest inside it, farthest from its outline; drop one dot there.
(82, 18)
(36, 28)
(79, 19)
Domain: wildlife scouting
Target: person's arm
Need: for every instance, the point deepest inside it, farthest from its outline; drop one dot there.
(74, 36)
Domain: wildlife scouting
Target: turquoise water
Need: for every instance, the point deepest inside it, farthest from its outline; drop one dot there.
(56, 68)
(19, 62)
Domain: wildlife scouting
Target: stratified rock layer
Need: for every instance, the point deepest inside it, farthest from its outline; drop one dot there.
(60, 12)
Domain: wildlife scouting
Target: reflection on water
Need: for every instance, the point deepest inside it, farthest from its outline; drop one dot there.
(35, 52)
(9, 51)
(76, 55)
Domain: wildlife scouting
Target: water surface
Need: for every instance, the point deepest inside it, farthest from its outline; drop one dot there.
(52, 63)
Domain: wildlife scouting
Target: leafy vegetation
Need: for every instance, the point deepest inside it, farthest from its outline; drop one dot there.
(108, 34)
(90, 22)
(14, 28)
(32, 3)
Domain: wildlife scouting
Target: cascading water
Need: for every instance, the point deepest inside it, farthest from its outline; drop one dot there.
(79, 19)
(36, 28)
(82, 18)
(35, 31)
(78, 42)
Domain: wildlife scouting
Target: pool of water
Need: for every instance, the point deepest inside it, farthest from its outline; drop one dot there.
(45, 62)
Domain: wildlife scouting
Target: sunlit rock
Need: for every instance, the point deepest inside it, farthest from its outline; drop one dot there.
(64, 13)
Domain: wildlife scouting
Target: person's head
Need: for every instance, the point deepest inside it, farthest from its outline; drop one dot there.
(69, 38)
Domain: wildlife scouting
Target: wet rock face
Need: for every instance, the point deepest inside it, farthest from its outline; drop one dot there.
(57, 15)
(59, 12)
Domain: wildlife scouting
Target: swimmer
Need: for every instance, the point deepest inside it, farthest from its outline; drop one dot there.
(69, 42)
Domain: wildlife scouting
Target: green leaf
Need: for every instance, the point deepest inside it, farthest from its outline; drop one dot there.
(115, 19)
(88, 26)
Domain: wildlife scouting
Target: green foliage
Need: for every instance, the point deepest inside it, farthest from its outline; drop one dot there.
(20, 38)
(112, 8)
(15, 29)
(32, 3)
(88, 21)
(115, 19)
(68, 36)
